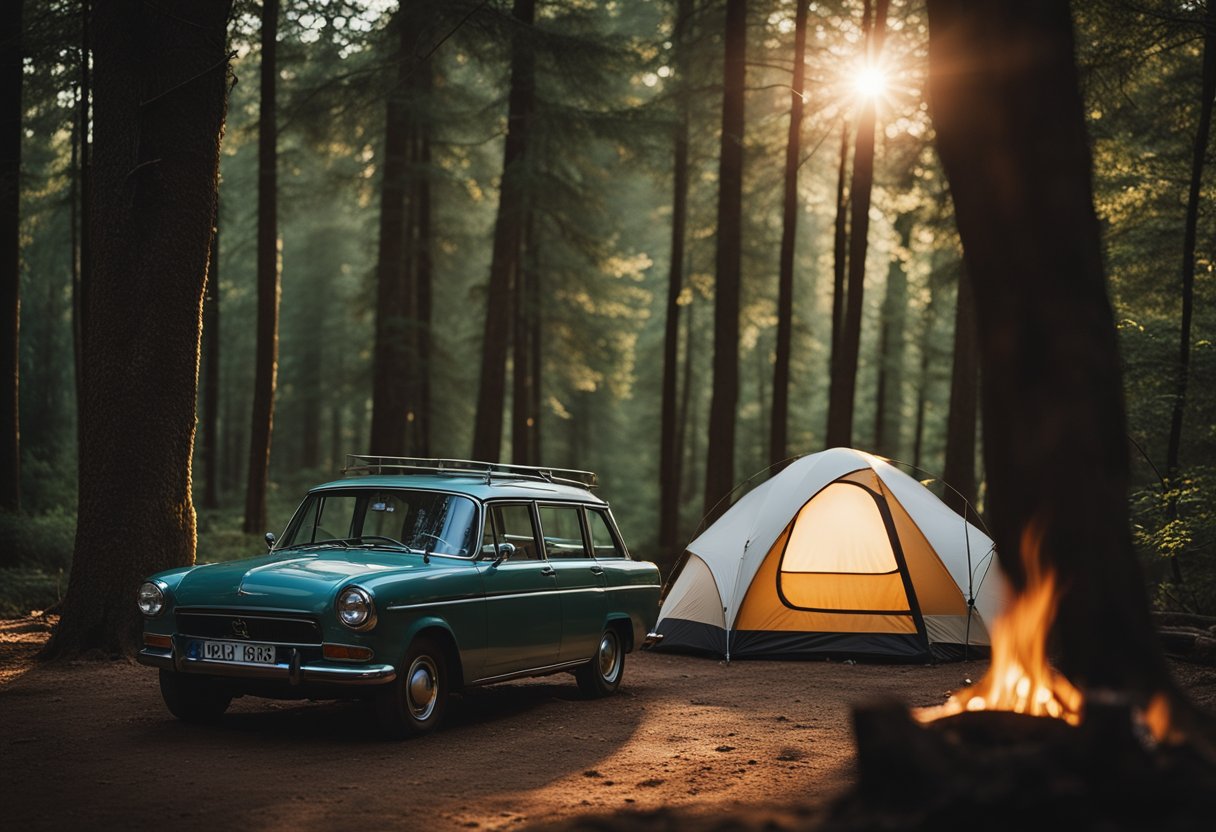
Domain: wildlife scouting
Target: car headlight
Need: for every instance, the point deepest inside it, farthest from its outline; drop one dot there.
(151, 599)
(355, 608)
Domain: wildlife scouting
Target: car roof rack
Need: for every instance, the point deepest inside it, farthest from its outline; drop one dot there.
(362, 465)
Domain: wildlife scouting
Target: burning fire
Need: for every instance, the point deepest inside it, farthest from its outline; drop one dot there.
(1020, 678)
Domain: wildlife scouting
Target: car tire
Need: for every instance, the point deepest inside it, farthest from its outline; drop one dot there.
(602, 675)
(196, 699)
(414, 702)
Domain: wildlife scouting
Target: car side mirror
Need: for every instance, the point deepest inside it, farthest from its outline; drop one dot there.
(269, 540)
(505, 552)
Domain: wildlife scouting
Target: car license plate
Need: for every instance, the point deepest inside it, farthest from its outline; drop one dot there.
(238, 652)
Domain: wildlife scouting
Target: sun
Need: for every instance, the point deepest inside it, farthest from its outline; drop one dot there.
(870, 82)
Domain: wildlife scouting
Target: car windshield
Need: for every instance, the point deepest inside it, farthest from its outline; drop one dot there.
(421, 521)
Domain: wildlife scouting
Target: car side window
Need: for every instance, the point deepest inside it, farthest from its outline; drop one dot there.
(562, 531)
(514, 523)
(603, 544)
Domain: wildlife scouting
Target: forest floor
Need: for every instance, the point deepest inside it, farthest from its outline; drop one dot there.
(688, 742)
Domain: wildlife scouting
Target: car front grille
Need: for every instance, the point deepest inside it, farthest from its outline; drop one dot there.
(240, 625)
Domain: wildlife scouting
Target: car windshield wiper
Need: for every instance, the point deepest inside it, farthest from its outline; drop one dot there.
(376, 541)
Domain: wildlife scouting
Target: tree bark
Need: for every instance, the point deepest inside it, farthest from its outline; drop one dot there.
(779, 423)
(1011, 136)
(391, 354)
(508, 230)
(922, 384)
(1182, 379)
(267, 357)
(423, 275)
(959, 471)
(669, 446)
(840, 254)
(720, 458)
(12, 69)
(521, 350)
(211, 372)
(85, 206)
(844, 380)
(161, 88)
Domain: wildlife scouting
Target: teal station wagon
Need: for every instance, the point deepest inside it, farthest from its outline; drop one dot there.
(405, 581)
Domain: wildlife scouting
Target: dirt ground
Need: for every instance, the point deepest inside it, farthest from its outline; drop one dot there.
(89, 744)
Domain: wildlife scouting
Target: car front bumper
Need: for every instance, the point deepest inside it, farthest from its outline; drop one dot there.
(293, 672)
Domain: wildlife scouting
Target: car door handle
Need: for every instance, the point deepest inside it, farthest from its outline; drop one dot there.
(548, 570)
(597, 570)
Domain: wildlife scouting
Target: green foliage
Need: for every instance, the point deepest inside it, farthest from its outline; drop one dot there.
(43, 541)
(1179, 527)
(25, 591)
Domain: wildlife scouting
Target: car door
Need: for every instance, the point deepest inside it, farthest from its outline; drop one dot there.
(580, 579)
(523, 609)
(630, 586)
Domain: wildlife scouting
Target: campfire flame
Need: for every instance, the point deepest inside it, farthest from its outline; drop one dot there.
(1020, 678)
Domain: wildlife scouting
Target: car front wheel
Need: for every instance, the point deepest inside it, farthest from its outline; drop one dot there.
(602, 675)
(197, 699)
(414, 702)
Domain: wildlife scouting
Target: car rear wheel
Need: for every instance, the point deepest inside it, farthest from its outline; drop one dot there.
(197, 699)
(602, 675)
(414, 702)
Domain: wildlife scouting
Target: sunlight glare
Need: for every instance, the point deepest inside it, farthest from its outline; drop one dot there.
(871, 82)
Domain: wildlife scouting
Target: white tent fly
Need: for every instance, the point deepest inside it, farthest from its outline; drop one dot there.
(838, 555)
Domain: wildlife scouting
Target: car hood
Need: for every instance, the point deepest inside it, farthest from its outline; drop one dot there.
(299, 580)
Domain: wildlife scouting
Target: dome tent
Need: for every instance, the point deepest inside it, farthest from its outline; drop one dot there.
(838, 555)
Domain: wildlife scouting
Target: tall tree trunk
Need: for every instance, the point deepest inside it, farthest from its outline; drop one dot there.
(85, 256)
(840, 254)
(720, 458)
(508, 230)
(521, 396)
(12, 69)
(267, 358)
(778, 444)
(423, 276)
(1202, 131)
(844, 379)
(391, 353)
(1012, 140)
(889, 397)
(669, 445)
(922, 385)
(161, 87)
(959, 471)
(535, 335)
(211, 372)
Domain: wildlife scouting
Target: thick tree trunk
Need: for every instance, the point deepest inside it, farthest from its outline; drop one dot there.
(211, 372)
(161, 87)
(11, 70)
(720, 458)
(391, 354)
(1011, 137)
(508, 231)
(889, 397)
(1202, 131)
(669, 446)
(844, 378)
(267, 357)
(959, 471)
(778, 445)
